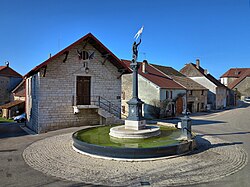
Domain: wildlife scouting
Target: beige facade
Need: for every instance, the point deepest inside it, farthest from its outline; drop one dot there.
(197, 100)
(152, 96)
(243, 88)
(51, 92)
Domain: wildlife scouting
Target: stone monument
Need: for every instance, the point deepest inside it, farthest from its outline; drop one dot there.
(135, 125)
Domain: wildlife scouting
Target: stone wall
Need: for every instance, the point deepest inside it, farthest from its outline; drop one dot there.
(4, 92)
(221, 97)
(147, 91)
(198, 100)
(244, 87)
(56, 92)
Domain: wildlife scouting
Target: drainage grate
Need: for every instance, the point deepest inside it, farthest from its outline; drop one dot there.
(145, 183)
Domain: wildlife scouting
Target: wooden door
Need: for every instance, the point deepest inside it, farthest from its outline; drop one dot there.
(83, 90)
(179, 106)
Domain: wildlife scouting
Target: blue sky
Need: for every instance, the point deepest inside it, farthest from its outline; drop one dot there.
(176, 32)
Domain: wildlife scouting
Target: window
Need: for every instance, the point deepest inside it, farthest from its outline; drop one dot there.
(123, 109)
(190, 92)
(171, 94)
(202, 92)
(167, 95)
(123, 95)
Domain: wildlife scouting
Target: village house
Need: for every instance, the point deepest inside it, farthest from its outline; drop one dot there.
(162, 96)
(80, 85)
(9, 79)
(196, 93)
(217, 94)
(16, 106)
(238, 80)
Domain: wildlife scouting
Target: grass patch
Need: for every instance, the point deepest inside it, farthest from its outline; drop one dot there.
(4, 120)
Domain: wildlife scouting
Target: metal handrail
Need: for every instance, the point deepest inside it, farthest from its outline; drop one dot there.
(105, 104)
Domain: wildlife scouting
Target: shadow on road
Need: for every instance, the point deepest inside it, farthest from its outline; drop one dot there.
(204, 144)
(206, 122)
(8, 130)
(231, 133)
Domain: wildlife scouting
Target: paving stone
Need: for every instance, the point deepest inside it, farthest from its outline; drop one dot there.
(214, 159)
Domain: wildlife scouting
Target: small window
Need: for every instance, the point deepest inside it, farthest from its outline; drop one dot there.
(171, 94)
(202, 92)
(167, 95)
(123, 109)
(123, 95)
(190, 92)
(118, 97)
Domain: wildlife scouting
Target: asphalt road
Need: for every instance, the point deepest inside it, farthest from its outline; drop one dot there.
(232, 125)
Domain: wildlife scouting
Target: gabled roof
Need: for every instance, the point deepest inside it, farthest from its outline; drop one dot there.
(180, 78)
(95, 43)
(8, 72)
(19, 90)
(156, 77)
(241, 78)
(235, 72)
(201, 72)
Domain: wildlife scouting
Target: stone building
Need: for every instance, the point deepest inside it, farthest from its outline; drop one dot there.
(238, 80)
(196, 93)
(162, 96)
(9, 79)
(16, 106)
(80, 85)
(218, 93)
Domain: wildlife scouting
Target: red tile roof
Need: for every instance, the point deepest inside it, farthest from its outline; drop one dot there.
(179, 77)
(235, 72)
(93, 41)
(8, 72)
(156, 77)
(202, 73)
(241, 78)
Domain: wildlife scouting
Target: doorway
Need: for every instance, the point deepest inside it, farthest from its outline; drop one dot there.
(83, 85)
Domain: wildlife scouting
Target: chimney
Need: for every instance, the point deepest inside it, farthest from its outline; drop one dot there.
(205, 71)
(144, 66)
(197, 63)
(50, 55)
(7, 63)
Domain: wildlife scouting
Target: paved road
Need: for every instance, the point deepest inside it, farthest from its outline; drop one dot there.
(230, 125)
(14, 171)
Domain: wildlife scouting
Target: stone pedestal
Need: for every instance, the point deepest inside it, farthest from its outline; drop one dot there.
(135, 125)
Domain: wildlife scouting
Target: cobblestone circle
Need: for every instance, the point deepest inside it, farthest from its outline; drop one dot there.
(214, 159)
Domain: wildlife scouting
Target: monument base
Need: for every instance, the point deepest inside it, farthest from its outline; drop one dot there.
(135, 125)
(122, 132)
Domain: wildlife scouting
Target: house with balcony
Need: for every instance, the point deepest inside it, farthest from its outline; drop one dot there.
(196, 93)
(80, 85)
(217, 92)
(162, 96)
